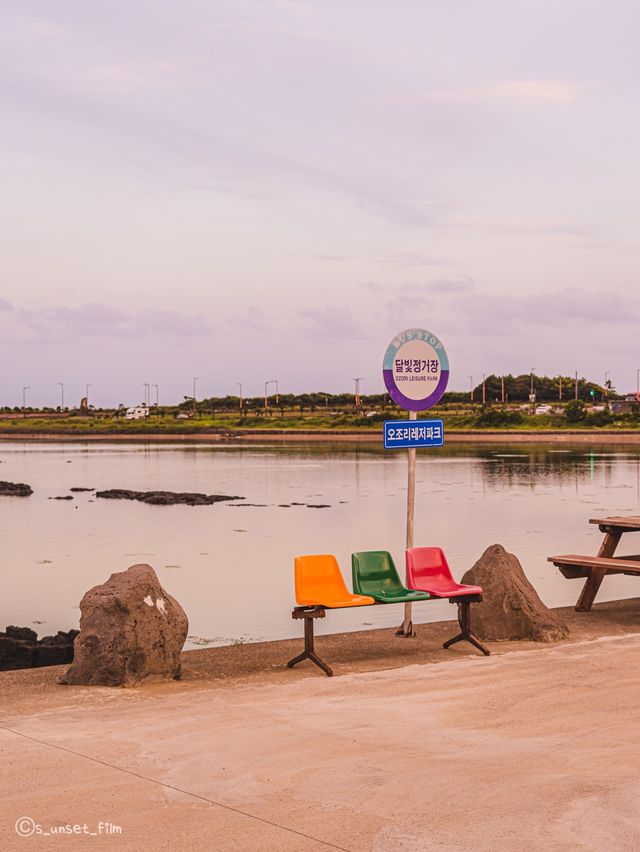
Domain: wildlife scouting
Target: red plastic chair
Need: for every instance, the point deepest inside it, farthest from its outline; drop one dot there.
(428, 571)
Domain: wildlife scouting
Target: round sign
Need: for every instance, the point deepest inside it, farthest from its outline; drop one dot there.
(416, 369)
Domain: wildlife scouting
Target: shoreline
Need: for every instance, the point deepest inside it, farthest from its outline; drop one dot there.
(348, 653)
(242, 437)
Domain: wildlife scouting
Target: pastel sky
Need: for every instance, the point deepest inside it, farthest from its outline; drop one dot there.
(242, 190)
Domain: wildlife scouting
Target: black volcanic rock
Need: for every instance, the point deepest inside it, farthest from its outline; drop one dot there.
(15, 489)
(165, 498)
(20, 648)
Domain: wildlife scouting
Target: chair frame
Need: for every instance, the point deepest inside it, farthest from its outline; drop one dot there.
(464, 619)
(309, 613)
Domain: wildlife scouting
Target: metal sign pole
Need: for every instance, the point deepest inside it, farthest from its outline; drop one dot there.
(415, 369)
(407, 626)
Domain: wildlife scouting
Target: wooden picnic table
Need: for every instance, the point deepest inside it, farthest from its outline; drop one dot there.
(596, 568)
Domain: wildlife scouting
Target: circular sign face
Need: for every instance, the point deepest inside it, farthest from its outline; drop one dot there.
(416, 369)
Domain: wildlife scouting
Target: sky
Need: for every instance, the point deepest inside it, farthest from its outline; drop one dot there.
(243, 190)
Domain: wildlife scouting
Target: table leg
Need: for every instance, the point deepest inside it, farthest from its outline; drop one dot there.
(597, 575)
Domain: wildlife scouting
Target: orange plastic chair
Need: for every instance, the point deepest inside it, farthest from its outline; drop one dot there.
(319, 582)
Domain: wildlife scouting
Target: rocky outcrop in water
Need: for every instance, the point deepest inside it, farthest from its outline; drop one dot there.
(165, 498)
(21, 649)
(510, 608)
(131, 630)
(15, 489)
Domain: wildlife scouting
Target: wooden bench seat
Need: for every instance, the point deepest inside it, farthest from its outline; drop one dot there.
(612, 564)
(595, 569)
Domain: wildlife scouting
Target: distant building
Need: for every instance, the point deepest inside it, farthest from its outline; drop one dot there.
(625, 406)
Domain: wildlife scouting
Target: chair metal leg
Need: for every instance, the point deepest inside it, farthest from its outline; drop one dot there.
(309, 613)
(464, 619)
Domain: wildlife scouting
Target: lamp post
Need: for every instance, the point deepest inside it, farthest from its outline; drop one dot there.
(61, 386)
(86, 394)
(195, 379)
(484, 390)
(157, 387)
(146, 393)
(24, 399)
(576, 394)
(357, 381)
(240, 396)
(532, 393)
(471, 388)
(266, 398)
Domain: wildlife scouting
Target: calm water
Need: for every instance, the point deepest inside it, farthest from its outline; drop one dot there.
(231, 568)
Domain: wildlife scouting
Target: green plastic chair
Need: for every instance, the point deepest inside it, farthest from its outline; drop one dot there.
(374, 574)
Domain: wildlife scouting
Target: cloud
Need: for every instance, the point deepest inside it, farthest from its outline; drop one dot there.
(62, 324)
(570, 307)
(464, 284)
(556, 91)
(562, 91)
(334, 322)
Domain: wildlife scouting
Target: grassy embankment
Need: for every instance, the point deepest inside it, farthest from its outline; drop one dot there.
(312, 421)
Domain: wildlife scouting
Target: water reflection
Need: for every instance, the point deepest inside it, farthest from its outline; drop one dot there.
(533, 499)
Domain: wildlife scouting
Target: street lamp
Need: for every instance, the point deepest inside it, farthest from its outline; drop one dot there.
(266, 385)
(86, 396)
(61, 386)
(24, 399)
(146, 393)
(532, 393)
(195, 379)
(240, 397)
(484, 393)
(157, 387)
(471, 388)
(357, 381)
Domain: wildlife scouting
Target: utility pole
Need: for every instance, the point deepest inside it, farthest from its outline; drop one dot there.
(146, 393)
(576, 396)
(560, 390)
(471, 388)
(532, 397)
(157, 395)
(357, 381)
(484, 390)
(240, 397)
(503, 390)
(87, 395)
(266, 397)
(61, 386)
(195, 379)
(24, 400)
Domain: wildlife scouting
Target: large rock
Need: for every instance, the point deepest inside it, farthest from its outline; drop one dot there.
(510, 608)
(131, 630)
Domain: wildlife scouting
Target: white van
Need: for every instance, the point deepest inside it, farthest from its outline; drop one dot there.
(138, 412)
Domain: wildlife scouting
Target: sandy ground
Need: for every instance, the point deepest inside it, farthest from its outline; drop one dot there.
(535, 748)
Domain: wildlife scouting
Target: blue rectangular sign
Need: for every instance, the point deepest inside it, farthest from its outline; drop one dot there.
(404, 434)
